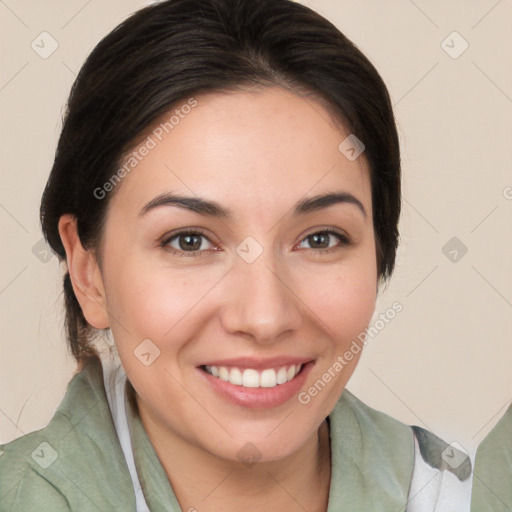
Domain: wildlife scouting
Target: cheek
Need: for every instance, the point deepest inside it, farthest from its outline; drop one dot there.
(343, 298)
(150, 300)
(344, 303)
(350, 305)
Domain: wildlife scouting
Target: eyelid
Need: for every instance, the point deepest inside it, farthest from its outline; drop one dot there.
(326, 229)
(182, 231)
(343, 236)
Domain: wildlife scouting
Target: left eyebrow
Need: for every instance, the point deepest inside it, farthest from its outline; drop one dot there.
(213, 209)
(325, 200)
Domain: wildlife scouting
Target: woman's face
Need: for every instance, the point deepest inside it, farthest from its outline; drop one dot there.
(267, 275)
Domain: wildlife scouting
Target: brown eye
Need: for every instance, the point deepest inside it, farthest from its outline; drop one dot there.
(325, 240)
(190, 242)
(187, 242)
(319, 240)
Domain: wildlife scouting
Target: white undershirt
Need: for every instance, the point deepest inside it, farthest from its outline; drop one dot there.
(115, 387)
(431, 490)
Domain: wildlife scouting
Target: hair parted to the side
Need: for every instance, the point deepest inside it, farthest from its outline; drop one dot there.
(171, 51)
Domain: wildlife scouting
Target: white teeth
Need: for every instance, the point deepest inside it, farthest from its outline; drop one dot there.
(268, 379)
(250, 378)
(224, 373)
(235, 377)
(282, 376)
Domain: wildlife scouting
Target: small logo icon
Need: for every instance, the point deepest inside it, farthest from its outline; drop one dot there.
(41, 250)
(454, 45)
(44, 45)
(454, 455)
(146, 352)
(249, 454)
(351, 147)
(454, 250)
(249, 250)
(45, 455)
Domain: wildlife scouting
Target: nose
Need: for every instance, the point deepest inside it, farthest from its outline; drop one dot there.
(262, 304)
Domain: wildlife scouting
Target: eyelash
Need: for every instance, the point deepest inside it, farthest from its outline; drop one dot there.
(164, 243)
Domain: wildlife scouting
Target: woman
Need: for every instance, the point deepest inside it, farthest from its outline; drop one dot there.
(226, 195)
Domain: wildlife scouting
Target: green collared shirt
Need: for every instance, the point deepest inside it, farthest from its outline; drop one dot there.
(76, 463)
(492, 476)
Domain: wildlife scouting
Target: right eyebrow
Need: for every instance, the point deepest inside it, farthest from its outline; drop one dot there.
(195, 204)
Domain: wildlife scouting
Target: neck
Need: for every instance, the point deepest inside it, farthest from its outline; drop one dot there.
(203, 481)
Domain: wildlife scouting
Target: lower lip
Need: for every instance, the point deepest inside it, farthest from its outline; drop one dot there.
(259, 398)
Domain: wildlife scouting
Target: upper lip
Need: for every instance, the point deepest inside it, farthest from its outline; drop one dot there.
(258, 363)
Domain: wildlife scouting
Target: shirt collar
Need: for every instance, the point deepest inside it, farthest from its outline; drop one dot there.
(372, 458)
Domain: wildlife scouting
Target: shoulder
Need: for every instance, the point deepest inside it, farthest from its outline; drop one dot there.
(492, 489)
(431, 449)
(395, 463)
(21, 487)
(498, 443)
(74, 463)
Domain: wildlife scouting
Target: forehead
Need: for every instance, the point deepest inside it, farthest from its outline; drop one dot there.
(243, 148)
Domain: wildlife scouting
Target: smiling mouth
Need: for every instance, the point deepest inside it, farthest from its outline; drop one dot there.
(250, 378)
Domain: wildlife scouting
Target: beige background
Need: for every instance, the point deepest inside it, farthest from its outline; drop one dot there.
(445, 361)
